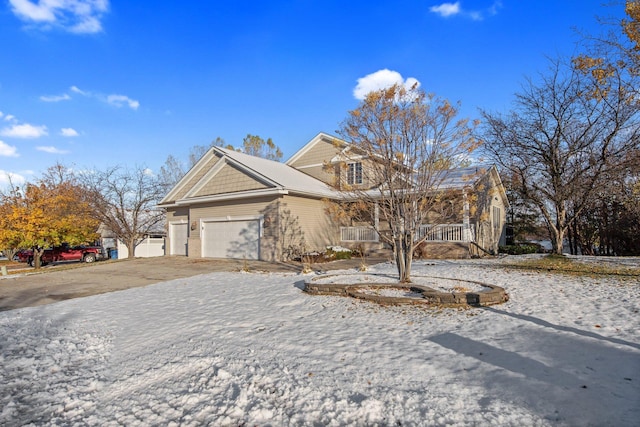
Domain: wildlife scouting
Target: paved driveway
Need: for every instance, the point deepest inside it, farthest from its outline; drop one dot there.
(59, 283)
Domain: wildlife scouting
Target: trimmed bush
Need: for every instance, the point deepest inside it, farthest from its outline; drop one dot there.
(337, 252)
(520, 249)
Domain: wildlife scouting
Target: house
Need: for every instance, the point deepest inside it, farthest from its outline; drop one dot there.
(232, 205)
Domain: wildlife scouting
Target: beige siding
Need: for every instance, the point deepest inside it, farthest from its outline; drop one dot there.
(321, 152)
(177, 214)
(488, 196)
(318, 172)
(370, 174)
(197, 177)
(229, 180)
(319, 231)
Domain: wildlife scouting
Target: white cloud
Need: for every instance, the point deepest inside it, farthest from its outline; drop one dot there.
(68, 132)
(24, 131)
(76, 16)
(115, 100)
(41, 12)
(77, 90)
(380, 80)
(7, 150)
(121, 100)
(6, 177)
(9, 118)
(451, 9)
(51, 149)
(446, 9)
(55, 98)
(148, 172)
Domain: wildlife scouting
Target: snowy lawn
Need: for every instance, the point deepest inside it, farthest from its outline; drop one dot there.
(236, 349)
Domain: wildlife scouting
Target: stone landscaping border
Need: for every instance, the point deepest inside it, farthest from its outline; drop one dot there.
(493, 295)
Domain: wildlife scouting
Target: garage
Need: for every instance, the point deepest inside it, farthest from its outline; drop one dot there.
(178, 235)
(231, 239)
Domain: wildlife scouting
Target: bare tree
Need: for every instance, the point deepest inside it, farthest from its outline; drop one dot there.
(124, 200)
(402, 144)
(171, 172)
(562, 136)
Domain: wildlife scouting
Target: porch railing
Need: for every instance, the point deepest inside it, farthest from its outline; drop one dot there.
(433, 233)
(445, 233)
(362, 233)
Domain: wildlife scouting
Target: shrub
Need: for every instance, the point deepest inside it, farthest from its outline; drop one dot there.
(520, 249)
(337, 252)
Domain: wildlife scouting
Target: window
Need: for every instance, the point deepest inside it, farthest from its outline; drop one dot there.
(496, 218)
(354, 173)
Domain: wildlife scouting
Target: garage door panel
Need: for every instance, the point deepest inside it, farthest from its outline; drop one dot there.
(231, 239)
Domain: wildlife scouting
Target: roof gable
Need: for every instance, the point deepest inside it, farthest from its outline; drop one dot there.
(321, 148)
(226, 178)
(192, 177)
(279, 174)
(227, 173)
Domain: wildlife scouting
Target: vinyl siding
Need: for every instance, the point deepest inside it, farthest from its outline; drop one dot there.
(197, 177)
(177, 214)
(229, 180)
(319, 231)
(319, 173)
(321, 152)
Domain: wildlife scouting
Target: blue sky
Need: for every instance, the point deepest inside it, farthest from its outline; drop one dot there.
(95, 83)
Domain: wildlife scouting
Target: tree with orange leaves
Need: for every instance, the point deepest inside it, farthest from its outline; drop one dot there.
(47, 213)
(402, 145)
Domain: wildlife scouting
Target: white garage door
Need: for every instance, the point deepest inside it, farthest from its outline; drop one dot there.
(231, 239)
(178, 238)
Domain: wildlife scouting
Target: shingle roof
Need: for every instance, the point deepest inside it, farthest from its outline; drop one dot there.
(280, 174)
(463, 177)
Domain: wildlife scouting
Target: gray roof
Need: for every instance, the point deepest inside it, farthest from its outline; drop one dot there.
(463, 177)
(280, 174)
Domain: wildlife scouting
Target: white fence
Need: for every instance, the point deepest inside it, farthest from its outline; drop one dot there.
(149, 247)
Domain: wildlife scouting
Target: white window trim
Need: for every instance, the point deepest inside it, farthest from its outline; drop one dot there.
(352, 177)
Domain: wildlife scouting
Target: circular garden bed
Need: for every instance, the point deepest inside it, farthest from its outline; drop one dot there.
(384, 289)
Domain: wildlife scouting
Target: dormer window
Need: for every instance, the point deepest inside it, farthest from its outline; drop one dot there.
(354, 173)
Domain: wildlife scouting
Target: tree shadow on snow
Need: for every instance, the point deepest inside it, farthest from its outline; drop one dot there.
(299, 284)
(546, 324)
(561, 373)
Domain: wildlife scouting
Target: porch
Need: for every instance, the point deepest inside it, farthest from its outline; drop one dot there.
(459, 233)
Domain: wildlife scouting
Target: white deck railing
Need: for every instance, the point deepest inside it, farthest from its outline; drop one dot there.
(445, 233)
(433, 233)
(363, 233)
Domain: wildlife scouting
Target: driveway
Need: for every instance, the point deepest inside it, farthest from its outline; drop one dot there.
(61, 282)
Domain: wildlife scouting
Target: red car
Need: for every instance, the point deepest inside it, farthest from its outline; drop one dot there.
(63, 253)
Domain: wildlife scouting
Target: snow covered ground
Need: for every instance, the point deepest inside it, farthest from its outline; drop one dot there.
(253, 349)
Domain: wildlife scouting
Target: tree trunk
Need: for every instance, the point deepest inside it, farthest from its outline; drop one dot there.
(37, 257)
(131, 247)
(557, 239)
(399, 257)
(404, 256)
